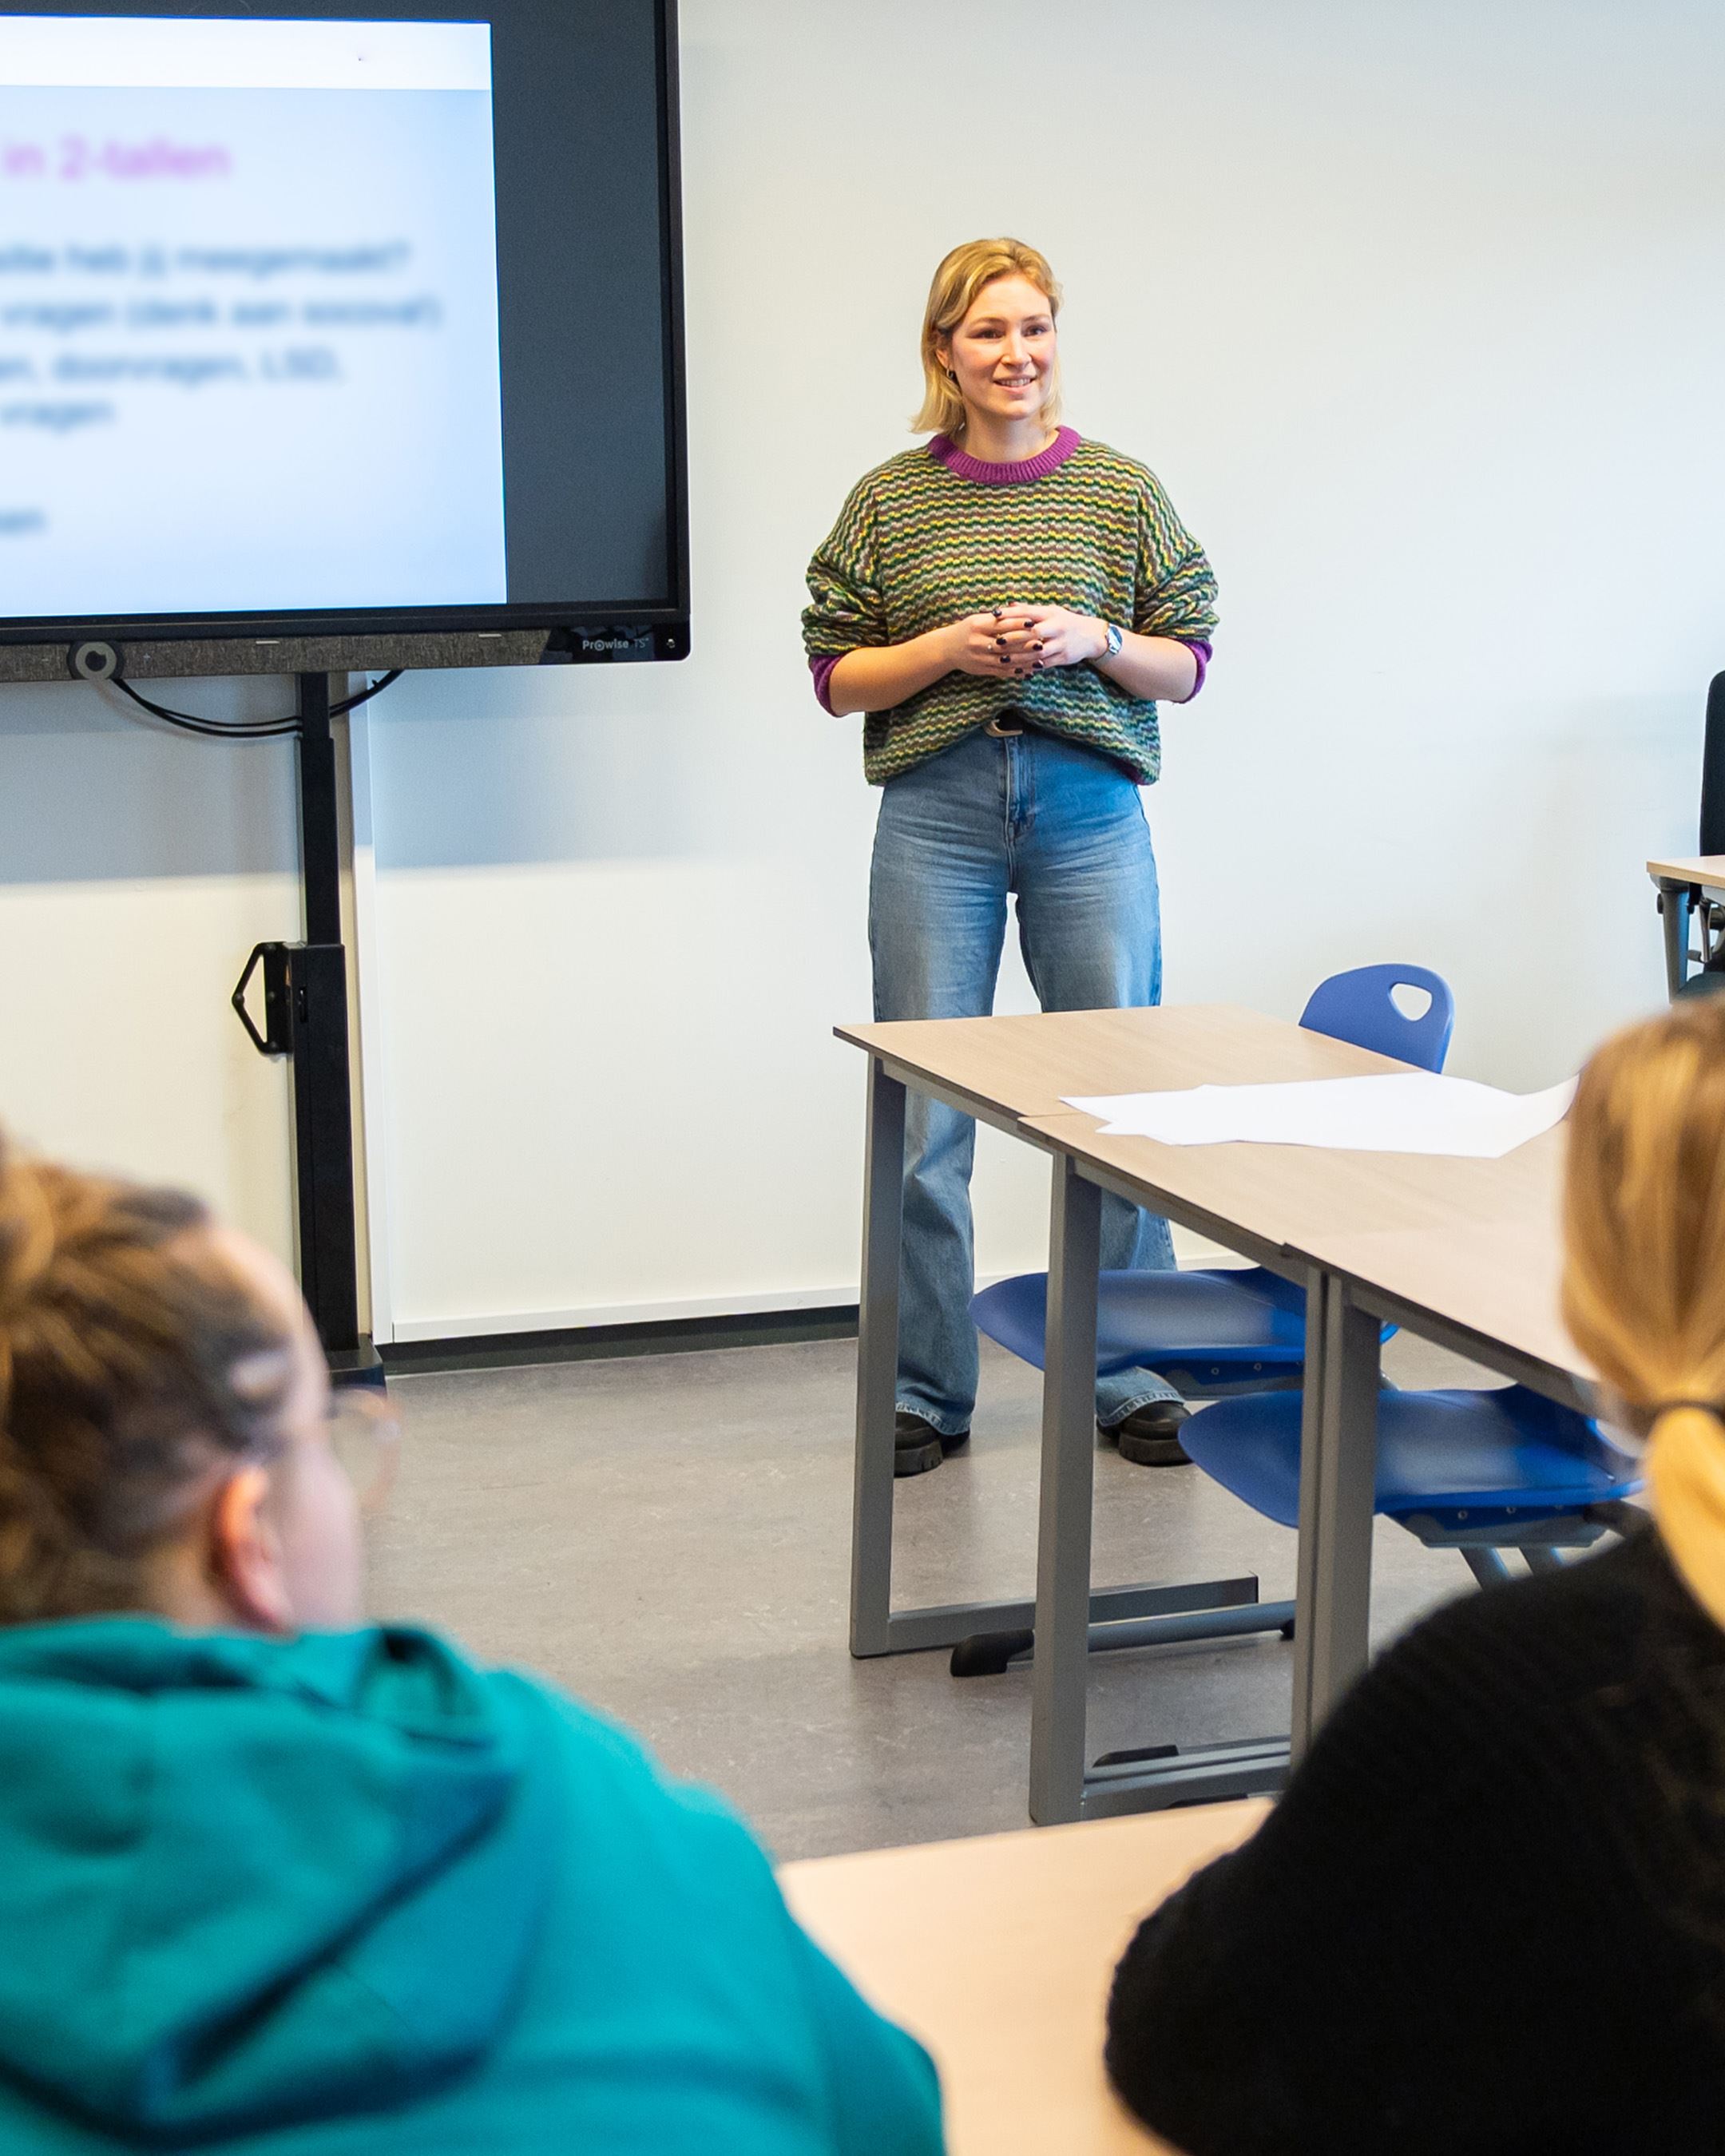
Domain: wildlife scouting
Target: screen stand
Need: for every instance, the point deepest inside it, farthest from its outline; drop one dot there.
(305, 1019)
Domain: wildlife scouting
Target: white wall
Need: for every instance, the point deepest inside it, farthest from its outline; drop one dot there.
(137, 868)
(1416, 309)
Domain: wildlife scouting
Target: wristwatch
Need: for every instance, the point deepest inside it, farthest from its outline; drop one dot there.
(1117, 637)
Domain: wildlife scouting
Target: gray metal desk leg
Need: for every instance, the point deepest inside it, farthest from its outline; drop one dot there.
(1338, 1463)
(1675, 903)
(877, 1365)
(1068, 1411)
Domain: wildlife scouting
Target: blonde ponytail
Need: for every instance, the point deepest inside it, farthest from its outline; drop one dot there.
(1686, 1476)
(1643, 1278)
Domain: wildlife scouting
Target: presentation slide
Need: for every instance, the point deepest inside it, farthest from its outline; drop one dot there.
(249, 357)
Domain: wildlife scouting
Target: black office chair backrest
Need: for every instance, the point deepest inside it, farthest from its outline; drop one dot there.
(1712, 772)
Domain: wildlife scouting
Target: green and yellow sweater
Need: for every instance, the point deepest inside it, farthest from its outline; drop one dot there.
(933, 534)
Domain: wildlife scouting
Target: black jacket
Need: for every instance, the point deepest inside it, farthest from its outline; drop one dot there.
(1489, 1913)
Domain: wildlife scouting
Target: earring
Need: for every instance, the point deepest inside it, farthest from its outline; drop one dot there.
(952, 374)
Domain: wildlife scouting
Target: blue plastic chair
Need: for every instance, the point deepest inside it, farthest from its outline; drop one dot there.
(1360, 1006)
(1240, 1329)
(1475, 1472)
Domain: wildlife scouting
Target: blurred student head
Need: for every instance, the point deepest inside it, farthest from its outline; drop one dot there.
(166, 1425)
(1644, 1284)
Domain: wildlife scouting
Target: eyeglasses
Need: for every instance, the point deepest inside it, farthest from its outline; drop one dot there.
(364, 1436)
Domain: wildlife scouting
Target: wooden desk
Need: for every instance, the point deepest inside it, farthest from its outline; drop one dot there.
(1003, 1069)
(1706, 871)
(1263, 1198)
(1006, 1071)
(998, 1954)
(1465, 1252)
(1488, 1289)
(1682, 884)
(1300, 1210)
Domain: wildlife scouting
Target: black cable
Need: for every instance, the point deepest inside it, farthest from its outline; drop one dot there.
(246, 730)
(214, 728)
(365, 696)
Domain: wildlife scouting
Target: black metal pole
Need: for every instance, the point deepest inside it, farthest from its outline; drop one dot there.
(323, 1100)
(320, 843)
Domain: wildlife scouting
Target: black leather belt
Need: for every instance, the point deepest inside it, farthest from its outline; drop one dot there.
(998, 725)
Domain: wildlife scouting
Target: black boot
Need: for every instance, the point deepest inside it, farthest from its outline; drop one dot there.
(1148, 1436)
(919, 1446)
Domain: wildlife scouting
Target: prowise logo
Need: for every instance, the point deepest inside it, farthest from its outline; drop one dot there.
(609, 643)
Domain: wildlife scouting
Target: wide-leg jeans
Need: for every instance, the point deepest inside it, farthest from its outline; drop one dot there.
(1062, 830)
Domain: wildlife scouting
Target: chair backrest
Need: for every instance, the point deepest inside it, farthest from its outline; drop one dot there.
(1357, 1006)
(1712, 771)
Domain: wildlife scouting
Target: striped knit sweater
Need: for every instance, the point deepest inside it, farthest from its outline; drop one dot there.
(933, 534)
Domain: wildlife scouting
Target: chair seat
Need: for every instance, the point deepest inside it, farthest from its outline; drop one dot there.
(1221, 1327)
(1458, 1455)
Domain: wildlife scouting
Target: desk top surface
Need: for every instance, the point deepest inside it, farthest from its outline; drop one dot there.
(1024, 1065)
(1307, 1196)
(1707, 870)
(999, 1952)
(1474, 1242)
(1499, 1279)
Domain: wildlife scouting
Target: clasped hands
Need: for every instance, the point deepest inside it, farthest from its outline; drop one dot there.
(1014, 642)
(1019, 641)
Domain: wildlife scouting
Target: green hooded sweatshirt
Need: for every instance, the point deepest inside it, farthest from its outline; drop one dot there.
(348, 1893)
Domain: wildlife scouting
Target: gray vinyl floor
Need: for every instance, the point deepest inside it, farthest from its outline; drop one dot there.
(669, 1537)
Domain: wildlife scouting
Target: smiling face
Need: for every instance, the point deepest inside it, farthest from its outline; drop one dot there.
(1003, 352)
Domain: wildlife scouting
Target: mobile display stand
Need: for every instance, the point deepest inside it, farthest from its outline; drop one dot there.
(305, 1019)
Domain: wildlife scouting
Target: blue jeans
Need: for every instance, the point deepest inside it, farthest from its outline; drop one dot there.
(1063, 830)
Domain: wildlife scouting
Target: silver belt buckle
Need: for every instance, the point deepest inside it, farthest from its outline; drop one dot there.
(1001, 732)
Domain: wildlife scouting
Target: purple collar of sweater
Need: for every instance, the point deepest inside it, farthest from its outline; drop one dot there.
(945, 450)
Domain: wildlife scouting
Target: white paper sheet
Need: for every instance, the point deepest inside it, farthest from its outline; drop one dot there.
(1416, 1112)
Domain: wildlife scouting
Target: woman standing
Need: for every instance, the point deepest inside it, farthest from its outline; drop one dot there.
(1006, 604)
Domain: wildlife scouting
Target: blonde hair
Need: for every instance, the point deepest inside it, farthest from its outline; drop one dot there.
(963, 273)
(1644, 1281)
